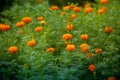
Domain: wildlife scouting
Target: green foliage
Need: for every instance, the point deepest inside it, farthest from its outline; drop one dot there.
(66, 2)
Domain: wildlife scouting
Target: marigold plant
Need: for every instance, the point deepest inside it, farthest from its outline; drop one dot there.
(38, 29)
(54, 8)
(84, 37)
(66, 8)
(67, 42)
(102, 10)
(73, 16)
(69, 26)
(63, 13)
(31, 43)
(103, 1)
(91, 67)
(51, 49)
(70, 47)
(84, 47)
(20, 24)
(108, 29)
(4, 27)
(98, 50)
(13, 49)
(40, 18)
(88, 10)
(111, 78)
(27, 19)
(43, 22)
(87, 5)
(76, 9)
(89, 55)
(67, 36)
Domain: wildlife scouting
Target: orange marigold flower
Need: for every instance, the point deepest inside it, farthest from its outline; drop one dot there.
(73, 16)
(108, 29)
(27, 19)
(51, 49)
(31, 43)
(67, 42)
(63, 13)
(7, 27)
(76, 9)
(38, 29)
(67, 36)
(103, 1)
(84, 37)
(111, 78)
(54, 8)
(13, 49)
(87, 5)
(98, 50)
(72, 6)
(40, 18)
(69, 26)
(20, 24)
(88, 10)
(92, 67)
(84, 47)
(4, 27)
(66, 8)
(102, 10)
(89, 55)
(70, 47)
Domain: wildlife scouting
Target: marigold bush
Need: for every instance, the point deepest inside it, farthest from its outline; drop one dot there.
(71, 42)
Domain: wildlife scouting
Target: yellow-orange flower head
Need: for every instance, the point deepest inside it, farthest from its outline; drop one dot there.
(13, 49)
(84, 47)
(103, 1)
(31, 43)
(20, 24)
(76, 9)
(88, 10)
(84, 37)
(38, 29)
(98, 50)
(67, 36)
(70, 47)
(40, 18)
(92, 67)
(51, 49)
(27, 19)
(108, 29)
(69, 26)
